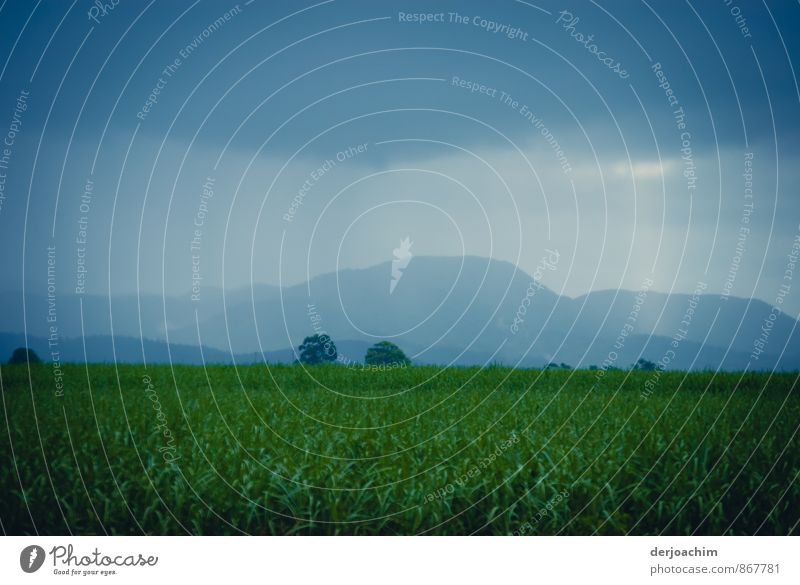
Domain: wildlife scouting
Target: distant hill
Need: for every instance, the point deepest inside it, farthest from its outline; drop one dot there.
(443, 310)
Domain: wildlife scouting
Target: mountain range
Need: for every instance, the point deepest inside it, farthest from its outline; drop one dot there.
(443, 310)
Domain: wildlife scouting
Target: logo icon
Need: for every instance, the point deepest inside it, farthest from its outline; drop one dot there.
(31, 558)
(402, 256)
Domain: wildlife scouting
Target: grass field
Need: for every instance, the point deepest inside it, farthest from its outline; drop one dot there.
(220, 450)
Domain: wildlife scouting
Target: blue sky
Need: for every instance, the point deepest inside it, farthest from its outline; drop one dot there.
(261, 100)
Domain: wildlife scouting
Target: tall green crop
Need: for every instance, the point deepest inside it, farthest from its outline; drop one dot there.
(336, 450)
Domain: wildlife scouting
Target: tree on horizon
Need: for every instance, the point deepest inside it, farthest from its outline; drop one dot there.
(318, 349)
(24, 355)
(386, 353)
(645, 365)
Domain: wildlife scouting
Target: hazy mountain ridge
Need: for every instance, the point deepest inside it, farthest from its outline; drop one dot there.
(443, 310)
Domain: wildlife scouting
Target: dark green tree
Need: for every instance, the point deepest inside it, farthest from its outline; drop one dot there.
(555, 366)
(23, 355)
(318, 349)
(386, 353)
(645, 365)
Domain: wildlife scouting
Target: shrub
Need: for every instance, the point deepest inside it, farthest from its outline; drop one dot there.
(24, 355)
(386, 353)
(318, 349)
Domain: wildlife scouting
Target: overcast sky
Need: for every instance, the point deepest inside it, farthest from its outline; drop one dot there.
(330, 131)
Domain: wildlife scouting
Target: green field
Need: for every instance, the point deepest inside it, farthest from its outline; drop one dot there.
(260, 450)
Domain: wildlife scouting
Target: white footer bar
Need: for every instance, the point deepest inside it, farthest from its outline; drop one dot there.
(401, 560)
